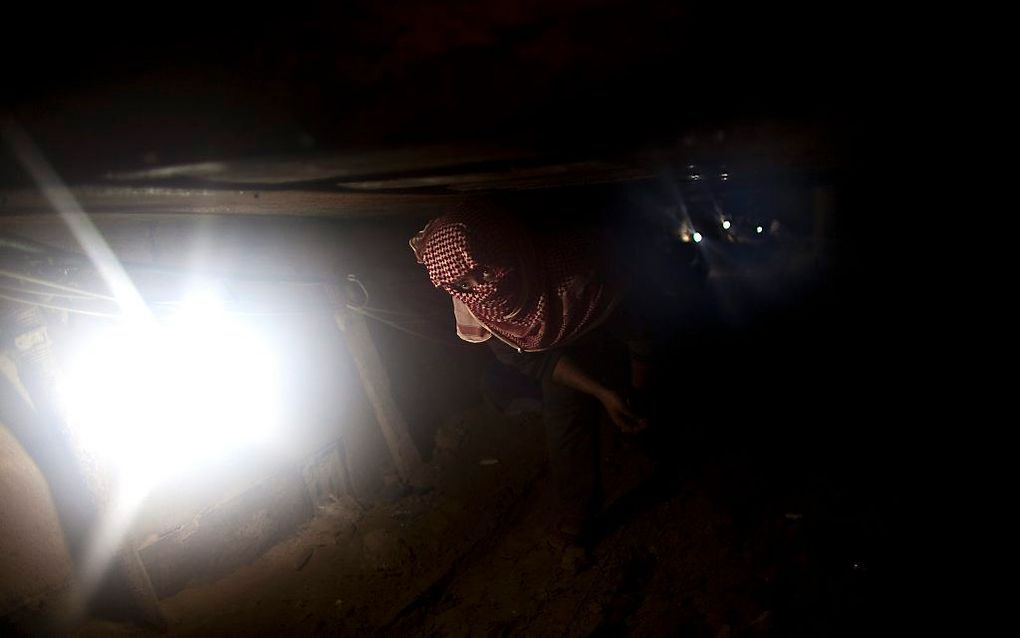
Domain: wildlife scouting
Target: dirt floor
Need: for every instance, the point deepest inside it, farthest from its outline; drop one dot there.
(716, 542)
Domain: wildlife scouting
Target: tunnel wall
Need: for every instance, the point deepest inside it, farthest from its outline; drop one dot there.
(34, 563)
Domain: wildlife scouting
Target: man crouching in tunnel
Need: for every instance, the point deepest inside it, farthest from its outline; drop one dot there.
(550, 303)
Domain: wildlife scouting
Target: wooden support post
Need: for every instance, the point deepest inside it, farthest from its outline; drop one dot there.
(376, 382)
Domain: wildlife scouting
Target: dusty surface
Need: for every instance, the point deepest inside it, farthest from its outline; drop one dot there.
(34, 562)
(715, 543)
(354, 569)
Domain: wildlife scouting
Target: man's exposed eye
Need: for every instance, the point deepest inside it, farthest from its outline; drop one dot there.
(488, 276)
(463, 285)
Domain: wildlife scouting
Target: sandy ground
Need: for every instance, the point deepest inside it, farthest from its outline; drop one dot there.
(711, 544)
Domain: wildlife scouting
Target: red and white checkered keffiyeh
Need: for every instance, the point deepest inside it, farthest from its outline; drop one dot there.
(538, 291)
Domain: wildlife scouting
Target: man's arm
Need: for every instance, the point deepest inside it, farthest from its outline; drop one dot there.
(573, 376)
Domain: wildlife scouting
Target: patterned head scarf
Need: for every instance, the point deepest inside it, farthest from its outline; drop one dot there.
(536, 292)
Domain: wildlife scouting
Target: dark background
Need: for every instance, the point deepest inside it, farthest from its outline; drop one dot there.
(196, 82)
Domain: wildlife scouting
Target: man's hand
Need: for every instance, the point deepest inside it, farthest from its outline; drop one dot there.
(571, 375)
(626, 419)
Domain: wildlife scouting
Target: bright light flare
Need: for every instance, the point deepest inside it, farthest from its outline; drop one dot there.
(759, 229)
(726, 224)
(148, 397)
(697, 238)
(173, 396)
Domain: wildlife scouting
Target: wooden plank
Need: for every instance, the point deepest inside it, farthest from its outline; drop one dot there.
(317, 167)
(134, 201)
(528, 178)
(376, 382)
(230, 534)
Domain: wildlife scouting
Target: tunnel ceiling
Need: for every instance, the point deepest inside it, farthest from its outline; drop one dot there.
(384, 101)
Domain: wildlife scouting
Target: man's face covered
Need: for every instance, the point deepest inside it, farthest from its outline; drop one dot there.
(534, 291)
(473, 261)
